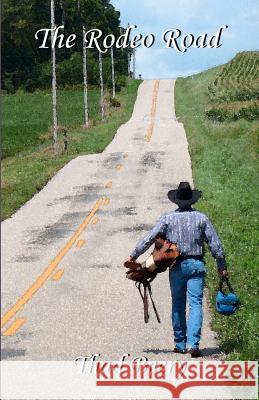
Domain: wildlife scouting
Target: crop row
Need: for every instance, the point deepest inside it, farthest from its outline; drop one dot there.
(238, 80)
(233, 111)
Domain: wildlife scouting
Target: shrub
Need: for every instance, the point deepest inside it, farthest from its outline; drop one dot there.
(45, 75)
(120, 82)
(8, 83)
(114, 102)
(69, 72)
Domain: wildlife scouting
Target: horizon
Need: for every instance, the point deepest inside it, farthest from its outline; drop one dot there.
(196, 17)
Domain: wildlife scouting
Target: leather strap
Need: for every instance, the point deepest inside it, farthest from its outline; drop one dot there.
(224, 279)
(144, 299)
(144, 296)
(153, 304)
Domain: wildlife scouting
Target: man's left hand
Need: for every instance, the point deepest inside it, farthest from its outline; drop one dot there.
(223, 273)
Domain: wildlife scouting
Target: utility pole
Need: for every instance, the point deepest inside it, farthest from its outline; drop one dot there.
(120, 35)
(134, 63)
(54, 79)
(101, 85)
(129, 58)
(86, 114)
(113, 74)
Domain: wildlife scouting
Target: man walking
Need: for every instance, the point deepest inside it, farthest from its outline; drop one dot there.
(189, 229)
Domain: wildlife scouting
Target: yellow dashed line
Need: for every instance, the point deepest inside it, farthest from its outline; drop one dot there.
(80, 243)
(58, 275)
(108, 184)
(153, 111)
(51, 267)
(118, 167)
(94, 221)
(106, 201)
(14, 327)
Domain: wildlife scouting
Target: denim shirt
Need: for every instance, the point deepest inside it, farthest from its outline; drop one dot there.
(190, 230)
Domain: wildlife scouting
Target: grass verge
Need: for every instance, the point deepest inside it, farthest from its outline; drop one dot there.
(28, 116)
(225, 168)
(28, 171)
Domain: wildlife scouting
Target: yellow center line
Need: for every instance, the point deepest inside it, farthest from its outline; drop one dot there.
(94, 221)
(118, 167)
(80, 243)
(14, 327)
(153, 111)
(108, 184)
(106, 201)
(58, 275)
(48, 271)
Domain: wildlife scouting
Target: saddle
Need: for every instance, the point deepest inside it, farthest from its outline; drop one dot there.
(143, 274)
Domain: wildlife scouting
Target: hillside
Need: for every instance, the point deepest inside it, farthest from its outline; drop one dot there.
(234, 90)
(27, 146)
(27, 117)
(225, 167)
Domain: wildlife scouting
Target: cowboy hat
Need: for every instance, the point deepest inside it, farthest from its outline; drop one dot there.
(184, 195)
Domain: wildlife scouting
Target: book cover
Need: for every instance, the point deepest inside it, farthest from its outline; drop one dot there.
(129, 199)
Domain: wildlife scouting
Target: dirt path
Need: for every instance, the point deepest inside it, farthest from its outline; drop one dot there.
(64, 293)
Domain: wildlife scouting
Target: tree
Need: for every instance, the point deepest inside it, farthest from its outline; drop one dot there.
(26, 66)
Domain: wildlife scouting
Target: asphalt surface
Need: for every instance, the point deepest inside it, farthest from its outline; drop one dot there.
(64, 292)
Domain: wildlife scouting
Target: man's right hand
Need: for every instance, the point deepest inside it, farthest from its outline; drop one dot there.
(130, 259)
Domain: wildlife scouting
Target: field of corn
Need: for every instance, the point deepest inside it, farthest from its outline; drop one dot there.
(234, 93)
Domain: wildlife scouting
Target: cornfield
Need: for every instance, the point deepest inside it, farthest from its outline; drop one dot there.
(234, 93)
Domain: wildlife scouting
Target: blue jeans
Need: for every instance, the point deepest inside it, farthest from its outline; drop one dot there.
(187, 278)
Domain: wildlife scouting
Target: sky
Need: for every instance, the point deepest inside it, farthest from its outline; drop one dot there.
(190, 16)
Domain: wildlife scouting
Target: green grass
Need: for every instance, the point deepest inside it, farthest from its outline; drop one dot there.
(27, 116)
(28, 171)
(225, 168)
(234, 90)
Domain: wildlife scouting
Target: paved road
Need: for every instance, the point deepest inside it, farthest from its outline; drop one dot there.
(64, 292)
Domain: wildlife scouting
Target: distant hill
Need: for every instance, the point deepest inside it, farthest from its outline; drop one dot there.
(234, 93)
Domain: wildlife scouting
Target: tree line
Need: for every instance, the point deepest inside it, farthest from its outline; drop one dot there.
(27, 67)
